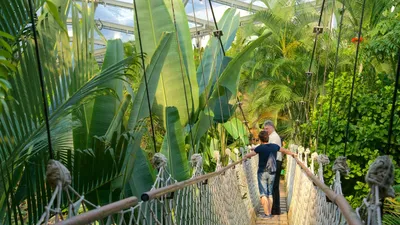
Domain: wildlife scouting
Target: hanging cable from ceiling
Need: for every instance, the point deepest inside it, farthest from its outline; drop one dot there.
(145, 77)
(325, 71)
(202, 65)
(354, 79)
(307, 92)
(182, 74)
(218, 34)
(42, 82)
(334, 76)
(392, 110)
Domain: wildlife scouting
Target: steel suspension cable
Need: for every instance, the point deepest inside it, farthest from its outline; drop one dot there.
(334, 76)
(396, 86)
(201, 63)
(236, 121)
(42, 85)
(182, 74)
(145, 76)
(223, 52)
(354, 78)
(316, 36)
(325, 72)
(219, 94)
(226, 97)
(307, 90)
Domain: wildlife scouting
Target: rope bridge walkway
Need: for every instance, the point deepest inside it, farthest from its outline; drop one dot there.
(281, 219)
(228, 196)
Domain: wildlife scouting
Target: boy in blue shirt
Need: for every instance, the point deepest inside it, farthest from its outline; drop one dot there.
(266, 169)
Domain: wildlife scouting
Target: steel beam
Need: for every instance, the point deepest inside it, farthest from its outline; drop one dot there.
(96, 41)
(240, 5)
(232, 3)
(130, 30)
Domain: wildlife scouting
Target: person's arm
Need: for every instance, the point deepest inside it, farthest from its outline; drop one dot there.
(253, 147)
(285, 151)
(250, 154)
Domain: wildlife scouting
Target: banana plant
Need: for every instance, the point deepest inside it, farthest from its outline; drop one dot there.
(177, 86)
(96, 151)
(214, 82)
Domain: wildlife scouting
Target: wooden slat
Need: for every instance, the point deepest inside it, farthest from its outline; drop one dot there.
(277, 219)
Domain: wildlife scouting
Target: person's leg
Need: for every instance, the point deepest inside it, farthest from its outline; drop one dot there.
(262, 187)
(276, 208)
(270, 185)
(270, 202)
(265, 205)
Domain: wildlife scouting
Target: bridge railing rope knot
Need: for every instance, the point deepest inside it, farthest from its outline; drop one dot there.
(380, 178)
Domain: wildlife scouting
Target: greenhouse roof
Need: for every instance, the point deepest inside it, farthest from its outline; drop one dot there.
(116, 20)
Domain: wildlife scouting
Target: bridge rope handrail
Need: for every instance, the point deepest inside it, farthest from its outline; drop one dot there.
(101, 212)
(230, 196)
(347, 211)
(155, 193)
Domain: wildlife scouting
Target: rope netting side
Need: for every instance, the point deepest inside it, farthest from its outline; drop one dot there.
(231, 197)
(307, 203)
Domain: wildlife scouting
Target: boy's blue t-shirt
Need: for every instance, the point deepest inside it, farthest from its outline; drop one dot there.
(264, 151)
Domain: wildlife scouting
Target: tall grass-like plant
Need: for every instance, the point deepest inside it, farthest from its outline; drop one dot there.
(392, 208)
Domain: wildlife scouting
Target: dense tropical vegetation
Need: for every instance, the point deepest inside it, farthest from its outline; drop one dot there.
(101, 126)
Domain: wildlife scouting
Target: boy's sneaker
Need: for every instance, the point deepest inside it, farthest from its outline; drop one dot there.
(266, 216)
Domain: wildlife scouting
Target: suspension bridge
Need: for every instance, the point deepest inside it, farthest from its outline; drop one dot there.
(229, 195)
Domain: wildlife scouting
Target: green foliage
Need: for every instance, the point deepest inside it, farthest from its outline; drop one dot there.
(392, 208)
(382, 48)
(178, 77)
(6, 67)
(174, 146)
(369, 121)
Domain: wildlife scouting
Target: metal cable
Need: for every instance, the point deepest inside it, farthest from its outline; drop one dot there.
(223, 52)
(145, 76)
(307, 90)
(325, 71)
(183, 77)
(354, 78)
(334, 76)
(396, 86)
(201, 63)
(42, 85)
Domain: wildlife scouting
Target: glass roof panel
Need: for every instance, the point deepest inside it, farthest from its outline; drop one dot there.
(114, 14)
(256, 3)
(115, 18)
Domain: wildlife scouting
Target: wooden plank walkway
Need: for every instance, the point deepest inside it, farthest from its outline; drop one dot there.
(277, 219)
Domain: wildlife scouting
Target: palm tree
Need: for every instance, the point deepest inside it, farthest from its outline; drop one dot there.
(96, 119)
(274, 81)
(87, 107)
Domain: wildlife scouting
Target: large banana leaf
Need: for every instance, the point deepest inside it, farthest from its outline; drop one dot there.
(140, 108)
(212, 61)
(223, 110)
(228, 84)
(105, 107)
(174, 146)
(237, 129)
(113, 156)
(178, 86)
(204, 122)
